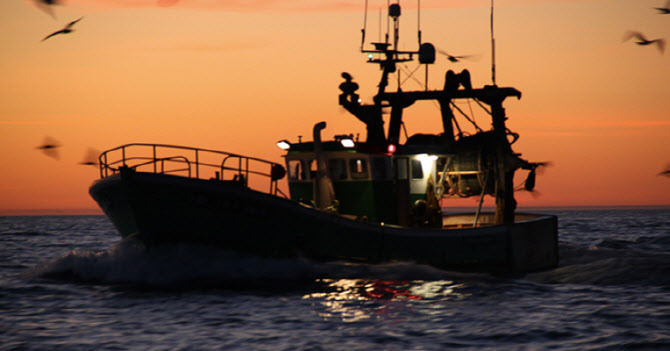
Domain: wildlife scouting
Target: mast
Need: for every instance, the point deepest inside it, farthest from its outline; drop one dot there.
(493, 50)
(503, 161)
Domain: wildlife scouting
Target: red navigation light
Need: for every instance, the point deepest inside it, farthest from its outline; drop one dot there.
(391, 148)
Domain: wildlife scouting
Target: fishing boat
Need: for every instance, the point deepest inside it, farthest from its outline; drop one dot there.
(378, 200)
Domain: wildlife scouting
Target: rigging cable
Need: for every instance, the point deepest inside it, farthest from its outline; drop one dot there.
(466, 117)
(402, 124)
(460, 132)
(482, 106)
(472, 113)
(410, 74)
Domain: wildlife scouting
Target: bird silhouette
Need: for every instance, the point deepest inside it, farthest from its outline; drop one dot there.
(664, 10)
(65, 30)
(665, 172)
(535, 167)
(642, 40)
(46, 6)
(92, 157)
(453, 58)
(50, 147)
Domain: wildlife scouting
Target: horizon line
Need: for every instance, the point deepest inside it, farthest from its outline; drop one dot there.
(99, 212)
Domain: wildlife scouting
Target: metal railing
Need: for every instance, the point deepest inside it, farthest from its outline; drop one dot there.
(191, 162)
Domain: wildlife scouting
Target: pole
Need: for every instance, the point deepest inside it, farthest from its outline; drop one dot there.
(493, 49)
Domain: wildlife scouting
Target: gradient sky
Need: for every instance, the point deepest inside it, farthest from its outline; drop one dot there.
(240, 75)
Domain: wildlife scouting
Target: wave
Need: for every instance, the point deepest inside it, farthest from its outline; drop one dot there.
(610, 262)
(130, 262)
(183, 265)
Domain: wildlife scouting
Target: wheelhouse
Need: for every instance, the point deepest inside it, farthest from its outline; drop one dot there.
(375, 187)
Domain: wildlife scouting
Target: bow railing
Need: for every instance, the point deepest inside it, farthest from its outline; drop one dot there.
(193, 163)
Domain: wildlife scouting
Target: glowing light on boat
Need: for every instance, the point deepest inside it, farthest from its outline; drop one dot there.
(348, 143)
(427, 161)
(284, 145)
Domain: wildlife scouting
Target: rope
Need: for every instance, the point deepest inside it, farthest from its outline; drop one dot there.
(482, 106)
(404, 128)
(466, 117)
(410, 75)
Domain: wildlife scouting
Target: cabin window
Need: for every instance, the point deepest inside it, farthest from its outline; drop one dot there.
(359, 168)
(417, 170)
(313, 169)
(337, 169)
(296, 170)
(379, 168)
(402, 168)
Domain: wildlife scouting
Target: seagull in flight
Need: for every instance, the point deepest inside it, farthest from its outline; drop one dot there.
(666, 172)
(642, 40)
(46, 5)
(452, 58)
(50, 147)
(91, 158)
(664, 10)
(65, 30)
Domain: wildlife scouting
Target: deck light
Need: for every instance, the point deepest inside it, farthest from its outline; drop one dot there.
(427, 162)
(426, 157)
(391, 148)
(348, 143)
(284, 144)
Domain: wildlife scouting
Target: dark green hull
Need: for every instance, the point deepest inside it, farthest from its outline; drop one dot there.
(161, 208)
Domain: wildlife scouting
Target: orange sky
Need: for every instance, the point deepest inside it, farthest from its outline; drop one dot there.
(240, 75)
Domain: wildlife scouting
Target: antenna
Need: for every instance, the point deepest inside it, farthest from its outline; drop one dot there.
(418, 20)
(418, 25)
(388, 5)
(380, 25)
(365, 25)
(493, 50)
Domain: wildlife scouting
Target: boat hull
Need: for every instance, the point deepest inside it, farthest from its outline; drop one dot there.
(160, 208)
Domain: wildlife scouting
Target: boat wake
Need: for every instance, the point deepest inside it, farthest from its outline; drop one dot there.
(190, 265)
(130, 262)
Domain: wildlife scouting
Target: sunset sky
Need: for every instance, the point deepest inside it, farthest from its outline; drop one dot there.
(240, 75)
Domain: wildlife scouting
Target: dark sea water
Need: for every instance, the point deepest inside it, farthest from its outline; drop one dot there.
(70, 283)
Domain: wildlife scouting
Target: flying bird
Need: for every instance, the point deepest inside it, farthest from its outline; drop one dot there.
(664, 10)
(65, 30)
(91, 158)
(642, 40)
(453, 58)
(46, 5)
(666, 172)
(50, 147)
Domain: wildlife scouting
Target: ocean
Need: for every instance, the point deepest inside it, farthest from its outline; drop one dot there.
(70, 283)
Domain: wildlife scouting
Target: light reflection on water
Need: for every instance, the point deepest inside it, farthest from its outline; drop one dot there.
(355, 300)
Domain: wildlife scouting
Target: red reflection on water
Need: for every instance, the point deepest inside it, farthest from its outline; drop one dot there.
(389, 289)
